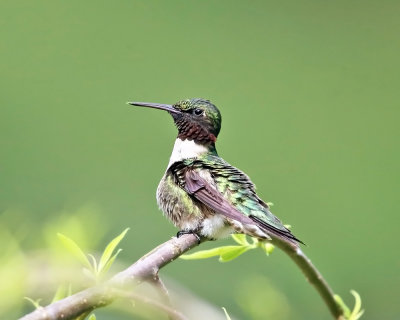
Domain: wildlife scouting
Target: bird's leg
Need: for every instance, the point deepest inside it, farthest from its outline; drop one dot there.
(193, 232)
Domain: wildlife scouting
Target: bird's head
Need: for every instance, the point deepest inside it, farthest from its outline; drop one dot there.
(196, 119)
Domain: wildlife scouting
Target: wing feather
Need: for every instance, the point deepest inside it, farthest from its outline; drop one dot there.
(200, 189)
(233, 195)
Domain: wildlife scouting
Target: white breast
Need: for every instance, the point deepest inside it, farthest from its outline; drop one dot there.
(184, 149)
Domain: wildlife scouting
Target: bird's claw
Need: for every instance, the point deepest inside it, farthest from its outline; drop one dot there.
(182, 232)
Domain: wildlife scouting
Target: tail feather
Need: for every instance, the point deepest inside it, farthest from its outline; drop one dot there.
(281, 233)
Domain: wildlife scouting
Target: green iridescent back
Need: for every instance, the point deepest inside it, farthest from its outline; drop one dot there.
(235, 185)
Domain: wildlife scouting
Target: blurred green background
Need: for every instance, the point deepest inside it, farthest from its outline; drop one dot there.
(309, 95)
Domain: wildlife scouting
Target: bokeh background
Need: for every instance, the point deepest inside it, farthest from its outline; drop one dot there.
(309, 93)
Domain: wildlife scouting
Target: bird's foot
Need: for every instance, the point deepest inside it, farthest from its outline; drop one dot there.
(193, 232)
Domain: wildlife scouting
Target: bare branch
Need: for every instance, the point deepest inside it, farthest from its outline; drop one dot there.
(99, 296)
(164, 294)
(162, 289)
(146, 269)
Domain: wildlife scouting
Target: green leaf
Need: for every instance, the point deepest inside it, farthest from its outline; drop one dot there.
(269, 204)
(229, 254)
(357, 312)
(82, 316)
(268, 247)
(90, 274)
(350, 315)
(60, 293)
(72, 247)
(34, 302)
(342, 305)
(202, 254)
(110, 262)
(108, 251)
(226, 314)
(92, 317)
(94, 263)
(256, 242)
(240, 239)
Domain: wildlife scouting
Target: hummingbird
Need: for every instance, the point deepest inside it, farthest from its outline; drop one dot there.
(200, 192)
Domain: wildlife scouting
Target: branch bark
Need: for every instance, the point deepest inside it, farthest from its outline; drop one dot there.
(312, 274)
(146, 269)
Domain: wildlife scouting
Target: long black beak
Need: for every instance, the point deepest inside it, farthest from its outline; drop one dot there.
(166, 107)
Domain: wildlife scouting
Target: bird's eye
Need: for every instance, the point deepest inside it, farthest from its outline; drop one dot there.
(198, 112)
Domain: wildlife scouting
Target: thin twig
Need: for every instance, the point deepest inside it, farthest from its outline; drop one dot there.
(172, 313)
(312, 274)
(163, 291)
(161, 288)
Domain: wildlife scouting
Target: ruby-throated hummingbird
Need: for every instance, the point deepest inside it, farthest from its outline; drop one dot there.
(200, 192)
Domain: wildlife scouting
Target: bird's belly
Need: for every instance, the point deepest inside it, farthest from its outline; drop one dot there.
(216, 227)
(178, 206)
(188, 214)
